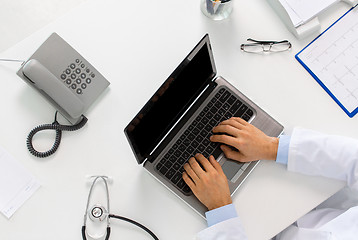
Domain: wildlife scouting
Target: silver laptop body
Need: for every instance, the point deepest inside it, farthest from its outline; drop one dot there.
(162, 125)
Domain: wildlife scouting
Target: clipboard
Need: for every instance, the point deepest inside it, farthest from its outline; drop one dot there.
(332, 60)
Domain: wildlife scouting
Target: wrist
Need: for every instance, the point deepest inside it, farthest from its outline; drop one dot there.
(220, 204)
(272, 147)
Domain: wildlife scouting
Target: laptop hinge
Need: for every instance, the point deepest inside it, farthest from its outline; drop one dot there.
(182, 121)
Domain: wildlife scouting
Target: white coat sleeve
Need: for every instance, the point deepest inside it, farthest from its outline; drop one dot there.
(317, 154)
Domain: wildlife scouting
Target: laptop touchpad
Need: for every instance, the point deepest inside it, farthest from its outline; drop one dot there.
(231, 168)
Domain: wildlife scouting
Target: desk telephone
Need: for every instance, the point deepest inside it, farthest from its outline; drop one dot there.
(69, 82)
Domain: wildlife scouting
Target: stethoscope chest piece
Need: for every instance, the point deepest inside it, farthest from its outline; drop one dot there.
(97, 213)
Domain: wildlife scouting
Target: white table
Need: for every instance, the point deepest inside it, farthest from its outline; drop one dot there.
(136, 45)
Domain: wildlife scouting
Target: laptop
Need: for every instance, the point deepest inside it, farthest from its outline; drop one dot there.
(178, 119)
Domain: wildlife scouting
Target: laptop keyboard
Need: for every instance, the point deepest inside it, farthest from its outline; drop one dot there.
(195, 139)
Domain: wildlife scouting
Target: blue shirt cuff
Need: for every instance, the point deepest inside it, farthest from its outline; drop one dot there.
(282, 151)
(220, 214)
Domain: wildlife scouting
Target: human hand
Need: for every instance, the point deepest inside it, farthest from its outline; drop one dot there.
(250, 143)
(210, 184)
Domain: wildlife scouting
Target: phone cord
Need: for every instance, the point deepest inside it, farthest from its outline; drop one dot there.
(54, 126)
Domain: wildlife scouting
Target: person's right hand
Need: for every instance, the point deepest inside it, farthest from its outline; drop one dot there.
(250, 143)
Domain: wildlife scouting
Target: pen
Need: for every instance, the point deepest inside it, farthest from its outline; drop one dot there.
(216, 4)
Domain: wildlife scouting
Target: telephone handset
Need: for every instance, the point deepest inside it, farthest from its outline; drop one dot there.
(46, 82)
(68, 81)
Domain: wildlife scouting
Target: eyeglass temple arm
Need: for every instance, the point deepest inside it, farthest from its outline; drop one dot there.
(267, 42)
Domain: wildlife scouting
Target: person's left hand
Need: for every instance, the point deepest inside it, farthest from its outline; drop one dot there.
(210, 184)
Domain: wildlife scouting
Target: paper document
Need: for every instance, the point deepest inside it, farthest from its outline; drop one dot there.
(332, 59)
(301, 11)
(16, 184)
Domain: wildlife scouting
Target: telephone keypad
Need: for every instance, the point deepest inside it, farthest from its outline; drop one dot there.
(75, 73)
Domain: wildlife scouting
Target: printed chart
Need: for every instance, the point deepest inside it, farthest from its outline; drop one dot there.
(332, 59)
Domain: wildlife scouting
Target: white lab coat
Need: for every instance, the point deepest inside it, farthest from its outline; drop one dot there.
(312, 153)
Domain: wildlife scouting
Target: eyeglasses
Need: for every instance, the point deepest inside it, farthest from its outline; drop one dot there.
(266, 46)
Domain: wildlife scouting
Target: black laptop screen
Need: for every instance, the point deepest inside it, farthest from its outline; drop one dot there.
(170, 101)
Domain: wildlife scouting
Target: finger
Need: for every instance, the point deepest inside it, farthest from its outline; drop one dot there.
(198, 170)
(240, 120)
(229, 140)
(189, 170)
(204, 162)
(238, 123)
(215, 164)
(188, 181)
(231, 154)
(228, 129)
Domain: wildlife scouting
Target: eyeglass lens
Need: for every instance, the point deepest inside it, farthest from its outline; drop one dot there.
(272, 47)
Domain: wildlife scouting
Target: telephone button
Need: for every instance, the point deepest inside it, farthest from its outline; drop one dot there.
(73, 76)
(83, 85)
(73, 86)
(63, 76)
(68, 71)
(78, 71)
(79, 91)
(82, 65)
(88, 80)
(77, 60)
(72, 66)
(68, 81)
(83, 76)
(78, 81)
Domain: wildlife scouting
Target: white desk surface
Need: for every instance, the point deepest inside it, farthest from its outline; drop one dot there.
(136, 45)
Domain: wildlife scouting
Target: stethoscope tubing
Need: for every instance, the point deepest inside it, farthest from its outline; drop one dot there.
(108, 230)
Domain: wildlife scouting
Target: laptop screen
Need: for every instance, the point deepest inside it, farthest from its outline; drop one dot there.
(171, 100)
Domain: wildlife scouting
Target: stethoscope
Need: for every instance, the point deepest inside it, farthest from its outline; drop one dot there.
(100, 213)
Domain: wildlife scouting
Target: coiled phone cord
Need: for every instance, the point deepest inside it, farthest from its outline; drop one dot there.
(53, 126)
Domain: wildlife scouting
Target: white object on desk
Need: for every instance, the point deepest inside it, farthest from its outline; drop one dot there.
(301, 11)
(16, 184)
(300, 16)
